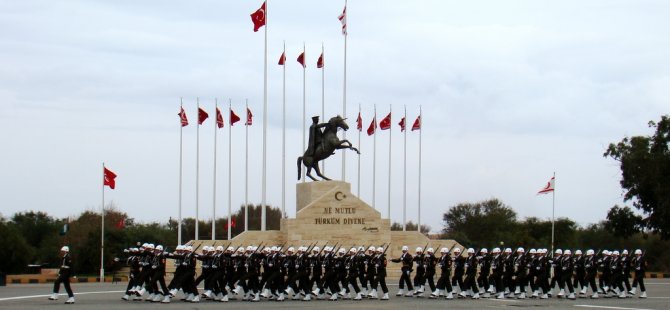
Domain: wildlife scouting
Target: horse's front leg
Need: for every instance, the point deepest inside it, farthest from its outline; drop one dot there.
(343, 145)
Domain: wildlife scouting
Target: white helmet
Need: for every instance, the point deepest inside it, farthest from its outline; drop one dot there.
(484, 251)
(496, 250)
(144, 245)
(508, 250)
(578, 252)
(189, 248)
(361, 248)
(457, 250)
(380, 250)
(624, 252)
(230, 249)
(520, 250)
(250, 248)
(240, 249)
(372, 248)
(615, 253)
(65, 249)
(159, 248)
(405, 248)
(419, 249)
(151, 245)
(291, 249)
(638, 252)
(471, 251)
(219, 248)
(533, 251)
(567, 252)
(341, 251)
(430, 250)
(179, 248)
(353, 250)
(559, 252)
(444, 250)
(589, 252)
(316, 249)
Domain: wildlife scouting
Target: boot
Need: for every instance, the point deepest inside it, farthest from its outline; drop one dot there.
(196, 299)
(386, 296)
(475, 296)
(358, 297)
(315, 292)
(53, 296)
(218, 297)
(595, 295)
(151, 297)
(450, 295)
(237, 290)
(157, 298)
(290, 291)
(373, 294)
(257, 297)
(69, 301)
(308, 297)
(583, 292)
(535, 294)
(208, 294)
(622, 294)
(561, 293)
(364, 291)
(141, 291)
(643, 295)
(409, 294)
(333, 298)
(633, 291)
(125, 297)
(189, 297)
(522, 296)
(295, 297)
(501, 295)
(544, 296)
(166, 299)
(225, 298)
(434, 294)
(281, 297)
(266, 293)
(572, 296)
(400, 292)
(321, 296)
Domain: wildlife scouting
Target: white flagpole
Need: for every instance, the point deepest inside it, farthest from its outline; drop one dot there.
(358, 183)
(323, 99)
(102, 229)
(216, 107)
(553, 200)
(265, 122)
(283, 136)
(418, 225)
(197, 169)
(181, 130)
(389, 186)
(304, 105)
(230, 135)
(344, 95)
(246, 167)
(404, 172)
(374, 159)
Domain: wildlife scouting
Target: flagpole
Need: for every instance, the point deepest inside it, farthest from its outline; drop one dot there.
(216, 107)
(246, 168)
(389, 186)
(344, 99)
(358, 182)
(197, 169)
(304, 104)
(265, 122)
(374, 158)
(323, 99)
(283, 136)
(230, 135)
(181, 133)
(102, 229)
(553, 199)
(418, 225)
(404, 172)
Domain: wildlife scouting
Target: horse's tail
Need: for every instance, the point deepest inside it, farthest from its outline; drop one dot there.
(299, 166)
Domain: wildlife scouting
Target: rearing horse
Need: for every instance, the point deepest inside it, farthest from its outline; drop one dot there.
(329, 143)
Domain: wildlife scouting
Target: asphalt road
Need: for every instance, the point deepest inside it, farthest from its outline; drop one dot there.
(108, 296)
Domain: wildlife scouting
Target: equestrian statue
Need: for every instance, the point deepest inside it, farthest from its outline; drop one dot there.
(323, 142)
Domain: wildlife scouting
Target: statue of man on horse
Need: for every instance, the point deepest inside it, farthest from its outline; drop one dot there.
(322, 144)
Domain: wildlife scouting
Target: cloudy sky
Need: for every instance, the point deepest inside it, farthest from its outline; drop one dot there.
(511, 92)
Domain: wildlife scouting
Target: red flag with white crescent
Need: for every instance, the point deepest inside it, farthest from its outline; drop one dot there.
(182, 118)
(359, 122)
(258, 18)
(319, 62)
(202, 116)
(402, 124)
(548, 188)
(301, 60)
(249, 118)
(417, 124)
(219, 118)
(282, 59)
(373, 126)
(109, 178)
(343, 20)
(233, 117)
(386, 122)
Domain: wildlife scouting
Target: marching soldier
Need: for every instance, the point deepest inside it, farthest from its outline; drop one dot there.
(351, 270)
(640, 265)
(158, 276)
(484, 261)
(419, 277)
(591, 267)
(520, 265)
(508, 273)
(429, 262)
(459, 270)
(444, 282)
(567, 268)
(406, 269)
(625, 262)
(616, 275)
(497, 269)
(133, 261)
(64, 274)
(316, 270)
(580, 273)
(470, 274)
(379, 264)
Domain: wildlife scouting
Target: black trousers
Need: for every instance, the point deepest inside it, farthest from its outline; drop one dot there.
(379, 279)
(443, 282)
(591, 280)
(157, 278)
(483, 280)
(420, 276)
(132, 281)
(65, 279)
(566, 279)
(404, 279)
(471, 283)
(430, 276)
(639, 279)
(579, 280)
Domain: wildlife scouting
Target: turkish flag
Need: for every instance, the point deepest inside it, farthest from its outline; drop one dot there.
(250, 118)
(233, 118)
(343, 20)
(282, 59)
(301, 59)
(373, 126)
(202, 116)
(219, 118)
(109, 178)
(386, 122)
(232, 224)
(417, 124)
(258, 18)
(402, 124)
(319, 62)
(359, 122)
(182, 118)
(121, 223)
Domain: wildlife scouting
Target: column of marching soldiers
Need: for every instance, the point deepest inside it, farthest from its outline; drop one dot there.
(332, 272)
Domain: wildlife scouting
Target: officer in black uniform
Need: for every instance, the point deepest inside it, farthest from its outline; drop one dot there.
(419, 277)
(133, 261)
(406, 269)
(64, 274)
(640, 266)
(444, 282)
(471, 264)
(484, 260)
(379, 264)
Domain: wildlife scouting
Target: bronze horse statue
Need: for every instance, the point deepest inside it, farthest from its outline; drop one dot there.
(329, 142)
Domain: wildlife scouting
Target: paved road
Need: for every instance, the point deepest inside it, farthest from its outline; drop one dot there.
(107, 296)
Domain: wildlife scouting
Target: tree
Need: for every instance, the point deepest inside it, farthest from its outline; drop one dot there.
(40, 231)
(410, 226)
(645, 174)
(16, 251)
(623, 222)
(480, 224)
